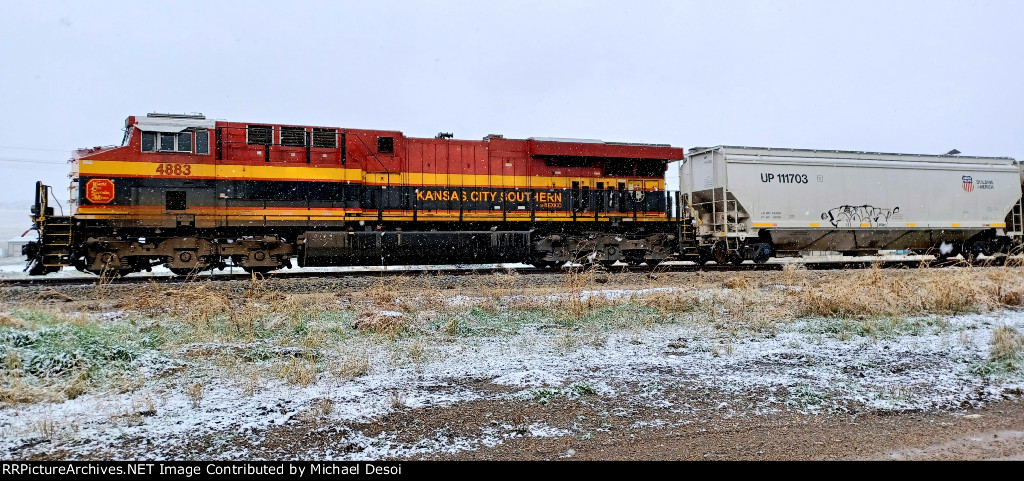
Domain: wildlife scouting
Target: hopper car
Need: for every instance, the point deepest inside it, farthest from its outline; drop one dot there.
(752, 203)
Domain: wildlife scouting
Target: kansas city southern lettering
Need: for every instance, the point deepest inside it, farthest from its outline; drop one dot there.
(542, 198)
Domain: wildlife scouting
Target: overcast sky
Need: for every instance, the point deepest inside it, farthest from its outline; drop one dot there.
(891, 76)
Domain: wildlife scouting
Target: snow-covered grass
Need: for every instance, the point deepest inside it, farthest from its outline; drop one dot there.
(171, 365)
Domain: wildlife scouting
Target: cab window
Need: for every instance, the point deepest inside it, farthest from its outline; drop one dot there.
(168, 142)
(203, 142)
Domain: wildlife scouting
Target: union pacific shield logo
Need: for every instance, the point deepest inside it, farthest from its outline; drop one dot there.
(968, 183)
(99, 191)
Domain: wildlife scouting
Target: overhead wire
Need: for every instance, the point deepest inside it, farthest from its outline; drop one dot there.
(34, 148)
(30, 161)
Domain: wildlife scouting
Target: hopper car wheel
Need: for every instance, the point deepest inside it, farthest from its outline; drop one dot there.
(761, 259)
(700, 260)
(970, 253)
(735, 260)
(720, 252)
(182, 271)
(953, 250)
(634, 261)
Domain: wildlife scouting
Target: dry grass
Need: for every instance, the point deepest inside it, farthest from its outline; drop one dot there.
(878, 292)
(793, 274)
(352, 367)
(300, 371)
(197, 303)
(7, 321)
(318, 412)
(668, 302)
(574, 282)
(1007, 344)
(77, 386)
(504, 284)
(14, 390)
(194, 392)
(384, 291)
(388, 324)
(738, 282)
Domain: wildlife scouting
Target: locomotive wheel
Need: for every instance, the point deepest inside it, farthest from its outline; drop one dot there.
(182, 271)
(634, 261)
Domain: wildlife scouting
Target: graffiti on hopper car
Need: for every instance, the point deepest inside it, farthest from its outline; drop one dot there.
(859, 216)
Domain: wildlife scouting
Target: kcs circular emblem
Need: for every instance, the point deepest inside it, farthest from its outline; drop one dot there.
(99, 191)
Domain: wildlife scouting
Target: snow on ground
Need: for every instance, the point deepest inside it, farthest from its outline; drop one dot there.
(532, 378)
(801, 367)
(11, 268)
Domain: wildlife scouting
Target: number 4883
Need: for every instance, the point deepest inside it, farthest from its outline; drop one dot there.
(174, 169)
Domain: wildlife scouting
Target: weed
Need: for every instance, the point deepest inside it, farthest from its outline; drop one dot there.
(7, 321)
(417, 352)
(194, 392)
(1007, 344)
(575, 279)
(298, 371)
(737, 282)
(390, 324)
(573, 391)
(353, 367)
(48, 427)
(805, 395)
(792, 272)
(396, 400)
(581, 389)
(54, 356)
(384, 292)
(544, 395)
(324, 407)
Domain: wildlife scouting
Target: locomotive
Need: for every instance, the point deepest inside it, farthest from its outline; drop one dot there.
(193, 194)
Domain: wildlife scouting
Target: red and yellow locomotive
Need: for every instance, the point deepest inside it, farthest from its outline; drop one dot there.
(195, 194)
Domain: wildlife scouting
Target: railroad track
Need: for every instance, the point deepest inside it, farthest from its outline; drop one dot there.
(458, 271)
